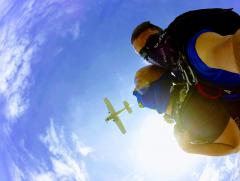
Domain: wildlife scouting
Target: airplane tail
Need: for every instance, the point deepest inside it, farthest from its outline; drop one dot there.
(127, 106)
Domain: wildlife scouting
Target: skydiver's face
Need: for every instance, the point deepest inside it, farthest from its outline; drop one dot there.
(141, 83)
(157, 48)
(141, 40)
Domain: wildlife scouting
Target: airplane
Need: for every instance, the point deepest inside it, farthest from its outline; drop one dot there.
(113, 115)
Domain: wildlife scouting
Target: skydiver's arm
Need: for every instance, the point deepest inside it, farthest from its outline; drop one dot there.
(221, 52)
(210, 149)
(236, 46)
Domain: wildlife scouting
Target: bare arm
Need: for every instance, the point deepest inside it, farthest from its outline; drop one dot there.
(210, 149)
(218, 51)
(236, 47)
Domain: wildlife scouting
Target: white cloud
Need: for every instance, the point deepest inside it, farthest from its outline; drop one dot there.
(65, 164)
(61, 168)
(16, 53)
(210, 173)
(17, 173)
(220, 168)
(73, 31)
(15, 107)
(21, 36)
(42, 177)
(81, 147)
(233, 167)
(229, 165)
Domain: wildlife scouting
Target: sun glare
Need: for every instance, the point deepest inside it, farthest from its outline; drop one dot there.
(156, 150)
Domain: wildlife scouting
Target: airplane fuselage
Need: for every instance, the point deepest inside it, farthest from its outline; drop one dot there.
(112, 115)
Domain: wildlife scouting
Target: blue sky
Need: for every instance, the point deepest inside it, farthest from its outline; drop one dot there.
(58, 60)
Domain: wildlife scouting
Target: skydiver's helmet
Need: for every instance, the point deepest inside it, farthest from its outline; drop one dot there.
(159, 48)
(153, 87)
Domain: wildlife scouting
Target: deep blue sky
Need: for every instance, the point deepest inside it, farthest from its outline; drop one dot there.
(58, 60)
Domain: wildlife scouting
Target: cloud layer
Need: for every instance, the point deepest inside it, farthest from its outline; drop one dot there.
(65, 163)
(25, 28)
(222, 168)
(64, 159)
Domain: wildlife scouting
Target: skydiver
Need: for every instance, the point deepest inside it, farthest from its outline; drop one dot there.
(205, 43)
(202, 125)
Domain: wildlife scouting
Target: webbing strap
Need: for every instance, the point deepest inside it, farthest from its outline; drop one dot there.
(203, 85)
(203, 92)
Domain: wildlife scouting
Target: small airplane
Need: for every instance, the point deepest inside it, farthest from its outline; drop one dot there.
(113, 115)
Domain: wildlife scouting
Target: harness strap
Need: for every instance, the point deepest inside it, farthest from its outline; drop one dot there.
(202, 90)
(204, 87)
(180, 92)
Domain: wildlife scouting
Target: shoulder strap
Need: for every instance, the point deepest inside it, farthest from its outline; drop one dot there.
(204, 87)
(179, 94)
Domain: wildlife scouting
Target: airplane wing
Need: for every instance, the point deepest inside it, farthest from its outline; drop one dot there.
(119, 124)
(109, 105)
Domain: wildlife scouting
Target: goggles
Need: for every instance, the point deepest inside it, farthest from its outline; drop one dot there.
(160, 50)
(153, 43)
